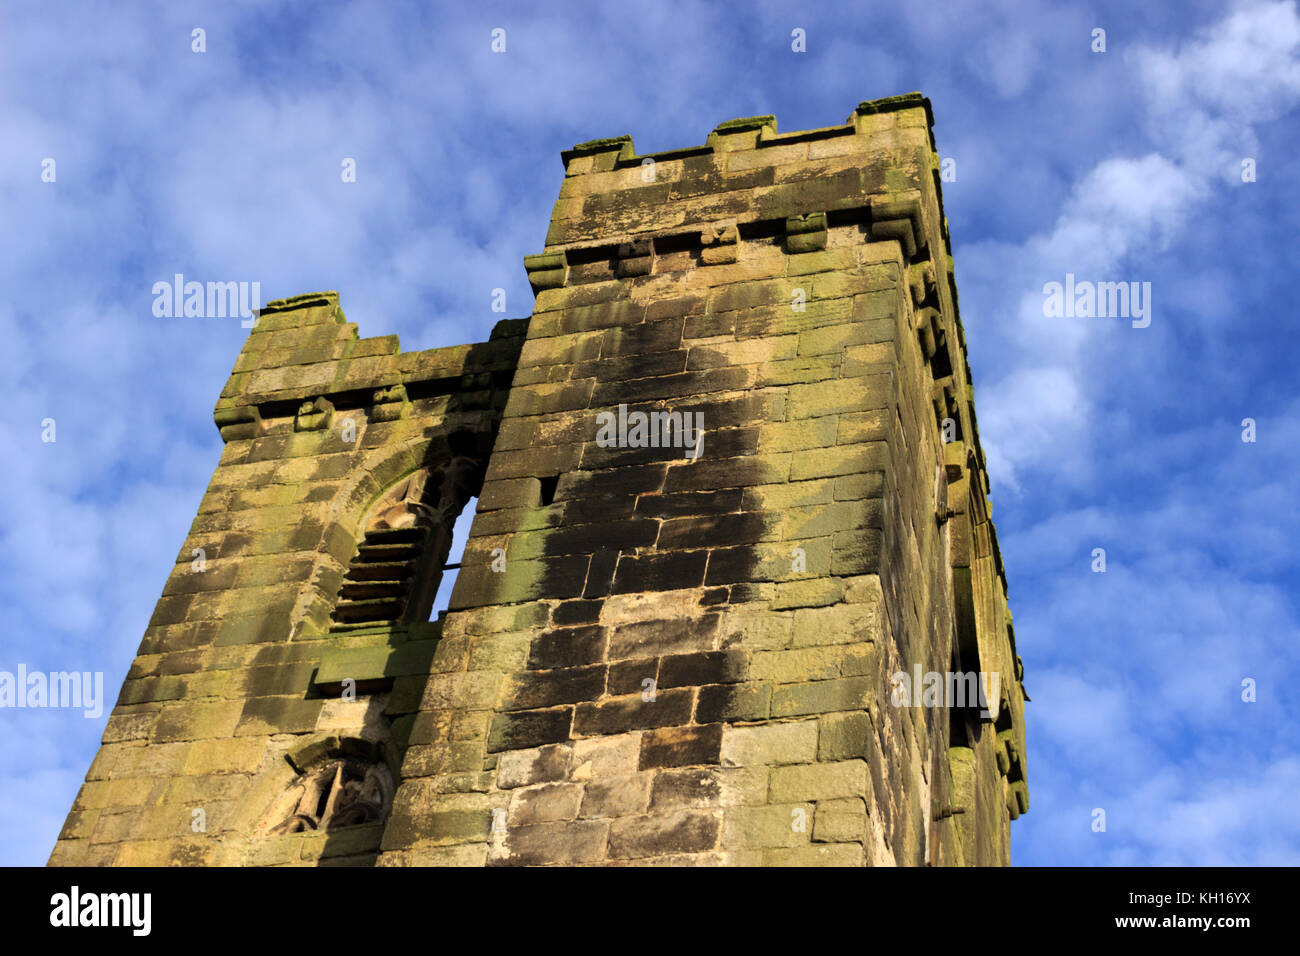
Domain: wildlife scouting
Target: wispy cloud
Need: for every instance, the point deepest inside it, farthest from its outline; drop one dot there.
(1199, 102)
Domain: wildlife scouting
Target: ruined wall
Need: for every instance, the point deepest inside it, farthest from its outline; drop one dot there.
(668, 644)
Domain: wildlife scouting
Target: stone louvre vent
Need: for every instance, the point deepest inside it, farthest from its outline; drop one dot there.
(377, 585)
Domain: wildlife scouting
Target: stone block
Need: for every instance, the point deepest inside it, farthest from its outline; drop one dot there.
(822, 696)
(620, 796)
(519, 768)
(684, 831)
(769, 745)
(566, 844)
(783, 825)
(544, 803)
(818, 781)
(681, 746)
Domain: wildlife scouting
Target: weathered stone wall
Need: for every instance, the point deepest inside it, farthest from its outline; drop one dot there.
(667, 652)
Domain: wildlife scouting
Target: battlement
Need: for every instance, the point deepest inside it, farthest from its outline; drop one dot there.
(874, 178)
(746, 171)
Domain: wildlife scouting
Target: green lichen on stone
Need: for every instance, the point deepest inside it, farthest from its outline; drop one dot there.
(889, 104)
(602, 145)
(746, 123)
(304, 301)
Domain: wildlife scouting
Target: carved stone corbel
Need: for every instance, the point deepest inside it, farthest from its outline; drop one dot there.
(721, 242)
(238, 421)
(548, 270)
(635, 258)
(314, 416)
(805, 233)
(390, 404)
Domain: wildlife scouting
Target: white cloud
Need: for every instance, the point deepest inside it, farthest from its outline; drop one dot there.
(1200, 103)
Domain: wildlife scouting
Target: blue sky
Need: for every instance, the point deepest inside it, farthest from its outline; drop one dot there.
(1122, 165)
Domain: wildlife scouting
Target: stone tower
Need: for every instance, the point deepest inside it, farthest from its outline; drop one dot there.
(729, 486)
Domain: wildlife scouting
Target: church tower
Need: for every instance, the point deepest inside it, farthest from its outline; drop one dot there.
(732, 593)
